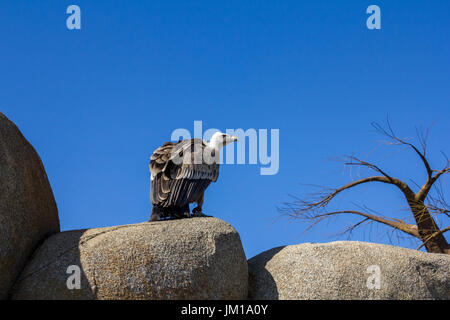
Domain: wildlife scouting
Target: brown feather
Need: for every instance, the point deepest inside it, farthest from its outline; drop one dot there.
(183, 183)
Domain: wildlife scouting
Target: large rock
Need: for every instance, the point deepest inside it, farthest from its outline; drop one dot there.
(28, 211)
(348, 270)
(197, 258)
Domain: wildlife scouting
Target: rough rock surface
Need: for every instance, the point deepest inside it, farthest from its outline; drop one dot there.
(342, 270)
(197, 258)
(28, 211)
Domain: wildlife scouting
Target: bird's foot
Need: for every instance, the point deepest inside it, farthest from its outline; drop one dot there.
(154, 217)
(197, 212)
(199, 215)
(180, 215)
(157, 214)
(186, 215)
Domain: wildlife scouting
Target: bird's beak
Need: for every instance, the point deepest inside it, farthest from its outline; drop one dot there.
(234, 138)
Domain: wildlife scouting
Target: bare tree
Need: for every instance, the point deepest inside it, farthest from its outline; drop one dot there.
(422, 205)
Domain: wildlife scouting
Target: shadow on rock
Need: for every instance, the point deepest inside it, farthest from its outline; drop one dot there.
(262, 286)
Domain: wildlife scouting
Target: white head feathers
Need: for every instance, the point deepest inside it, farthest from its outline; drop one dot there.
(220, 139)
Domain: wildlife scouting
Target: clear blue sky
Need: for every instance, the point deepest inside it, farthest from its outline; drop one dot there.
(96, 102)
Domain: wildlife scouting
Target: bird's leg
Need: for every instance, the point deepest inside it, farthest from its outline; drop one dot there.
(197, 211)
(185, 211)
(157, 213)
(174, 213)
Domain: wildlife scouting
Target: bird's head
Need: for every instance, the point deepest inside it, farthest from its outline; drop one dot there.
(220, 139)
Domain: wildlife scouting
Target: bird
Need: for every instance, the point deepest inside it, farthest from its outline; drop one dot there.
(180, 173)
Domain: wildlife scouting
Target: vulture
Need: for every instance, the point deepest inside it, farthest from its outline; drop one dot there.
(180, 173)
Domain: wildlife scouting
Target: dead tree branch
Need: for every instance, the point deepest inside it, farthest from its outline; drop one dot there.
(425, 228)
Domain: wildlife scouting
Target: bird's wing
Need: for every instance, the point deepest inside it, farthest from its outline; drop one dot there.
(160, 158)
(179, 176)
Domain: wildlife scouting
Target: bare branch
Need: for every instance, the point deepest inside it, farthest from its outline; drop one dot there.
(423, 192)
(446, 158)
(389, 132)
(407, 228)
(441, 172)
(348, 230)
(425, 228)
(433, 236)
(437, 203)
(397, 141)
(423, 138)
(307, 210)
(304, 206)
(353, 161)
